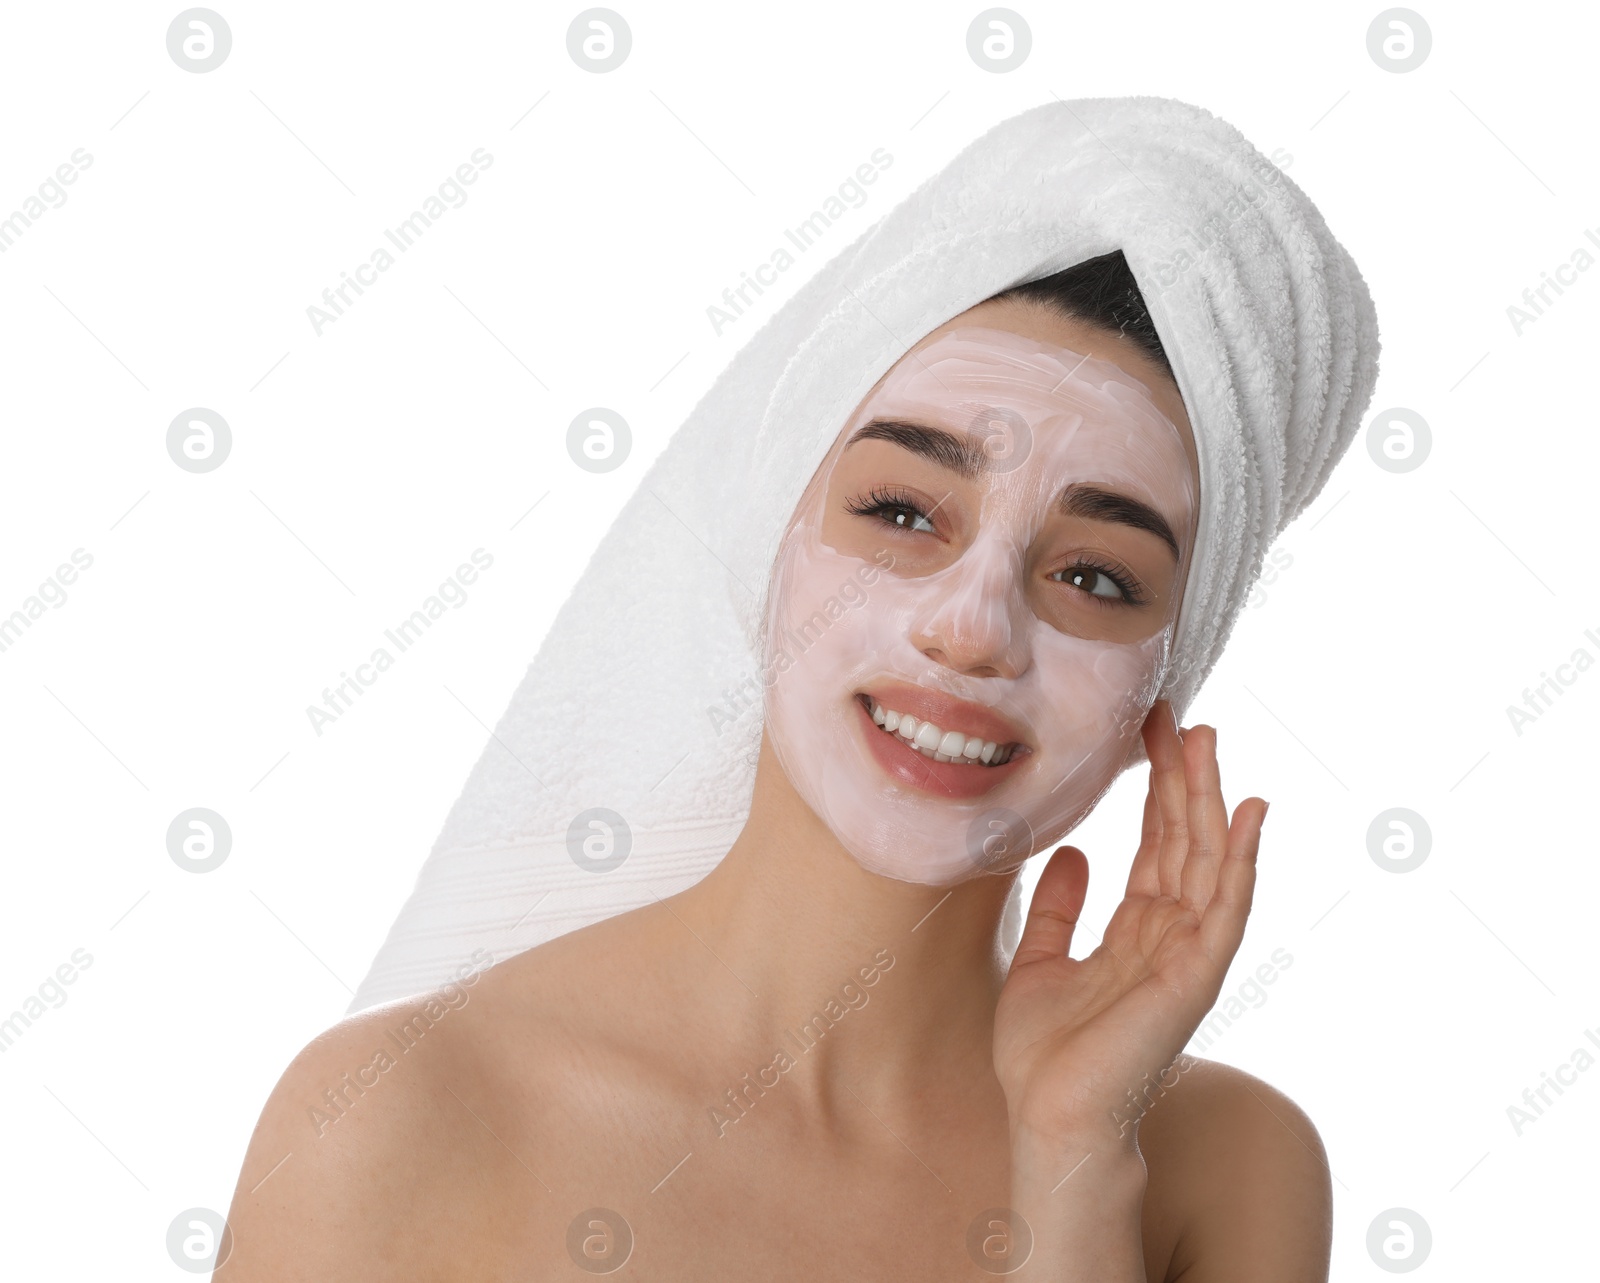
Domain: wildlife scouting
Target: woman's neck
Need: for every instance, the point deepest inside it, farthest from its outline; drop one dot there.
(878, 983)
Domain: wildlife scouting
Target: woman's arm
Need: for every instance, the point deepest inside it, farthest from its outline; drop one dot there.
(1081, 1198)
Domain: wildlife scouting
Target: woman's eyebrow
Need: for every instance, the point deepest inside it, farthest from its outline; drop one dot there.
(961, 455)
(1095, 503)
(965, 456)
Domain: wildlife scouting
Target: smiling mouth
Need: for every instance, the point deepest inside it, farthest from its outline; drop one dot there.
(937, 743)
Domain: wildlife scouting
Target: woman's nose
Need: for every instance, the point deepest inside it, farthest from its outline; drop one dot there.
(973, 620)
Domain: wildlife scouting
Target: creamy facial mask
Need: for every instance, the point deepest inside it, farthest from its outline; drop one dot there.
(955, 675)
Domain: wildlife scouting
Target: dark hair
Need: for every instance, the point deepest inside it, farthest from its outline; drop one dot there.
(1099, 291)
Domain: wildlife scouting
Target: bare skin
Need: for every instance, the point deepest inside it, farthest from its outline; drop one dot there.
(633, 1067)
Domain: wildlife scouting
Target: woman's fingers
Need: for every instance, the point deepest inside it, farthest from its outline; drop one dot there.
(1057, 902)
(1144, 878)
(1222, 927)
(1165, 751)
(1207, 817)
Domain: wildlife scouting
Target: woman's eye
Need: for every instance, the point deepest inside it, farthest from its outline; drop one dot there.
(892, 508)
(906, 518)
(1095, 582)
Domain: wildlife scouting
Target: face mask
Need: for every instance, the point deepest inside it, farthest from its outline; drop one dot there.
(925, 608)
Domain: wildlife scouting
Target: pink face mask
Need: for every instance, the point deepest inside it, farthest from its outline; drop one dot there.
(955, 674)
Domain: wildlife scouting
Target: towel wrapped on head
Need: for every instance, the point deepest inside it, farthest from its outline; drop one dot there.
(622, 769)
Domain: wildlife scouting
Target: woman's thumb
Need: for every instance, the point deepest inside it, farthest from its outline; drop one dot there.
(1057, 902)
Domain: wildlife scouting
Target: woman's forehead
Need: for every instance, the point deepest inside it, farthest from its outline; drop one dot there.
(1045, 412)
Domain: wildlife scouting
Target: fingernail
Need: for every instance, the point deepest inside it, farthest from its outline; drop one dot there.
(1265, 807)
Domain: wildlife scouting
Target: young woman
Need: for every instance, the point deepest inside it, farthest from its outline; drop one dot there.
(818, 1062)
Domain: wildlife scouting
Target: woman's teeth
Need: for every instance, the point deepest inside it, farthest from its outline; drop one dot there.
(941, 745)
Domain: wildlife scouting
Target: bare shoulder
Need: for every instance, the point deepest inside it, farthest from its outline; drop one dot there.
(1240, 1187)
(373, 1155)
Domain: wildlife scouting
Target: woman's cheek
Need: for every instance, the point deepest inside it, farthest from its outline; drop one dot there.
(827, 619)
(1093, 698)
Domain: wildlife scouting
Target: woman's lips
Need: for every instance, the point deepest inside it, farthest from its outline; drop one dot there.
(944, 710)
(940, 779)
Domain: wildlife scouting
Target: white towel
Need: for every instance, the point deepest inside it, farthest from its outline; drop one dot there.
(644, 701)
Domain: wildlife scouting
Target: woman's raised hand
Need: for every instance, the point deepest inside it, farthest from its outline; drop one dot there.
(1080, 1044)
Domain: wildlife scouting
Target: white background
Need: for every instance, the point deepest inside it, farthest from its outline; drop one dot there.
(427, 421)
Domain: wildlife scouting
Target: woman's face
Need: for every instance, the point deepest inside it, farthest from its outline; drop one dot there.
(973, 607)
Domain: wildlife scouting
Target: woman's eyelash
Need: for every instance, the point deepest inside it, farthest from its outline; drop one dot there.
(879, 502)
(1133, 594)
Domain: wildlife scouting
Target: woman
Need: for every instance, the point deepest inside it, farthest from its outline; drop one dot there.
(818, 1060)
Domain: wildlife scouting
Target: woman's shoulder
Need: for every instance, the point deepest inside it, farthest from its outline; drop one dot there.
(1239, 1186)
(388, 1120)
